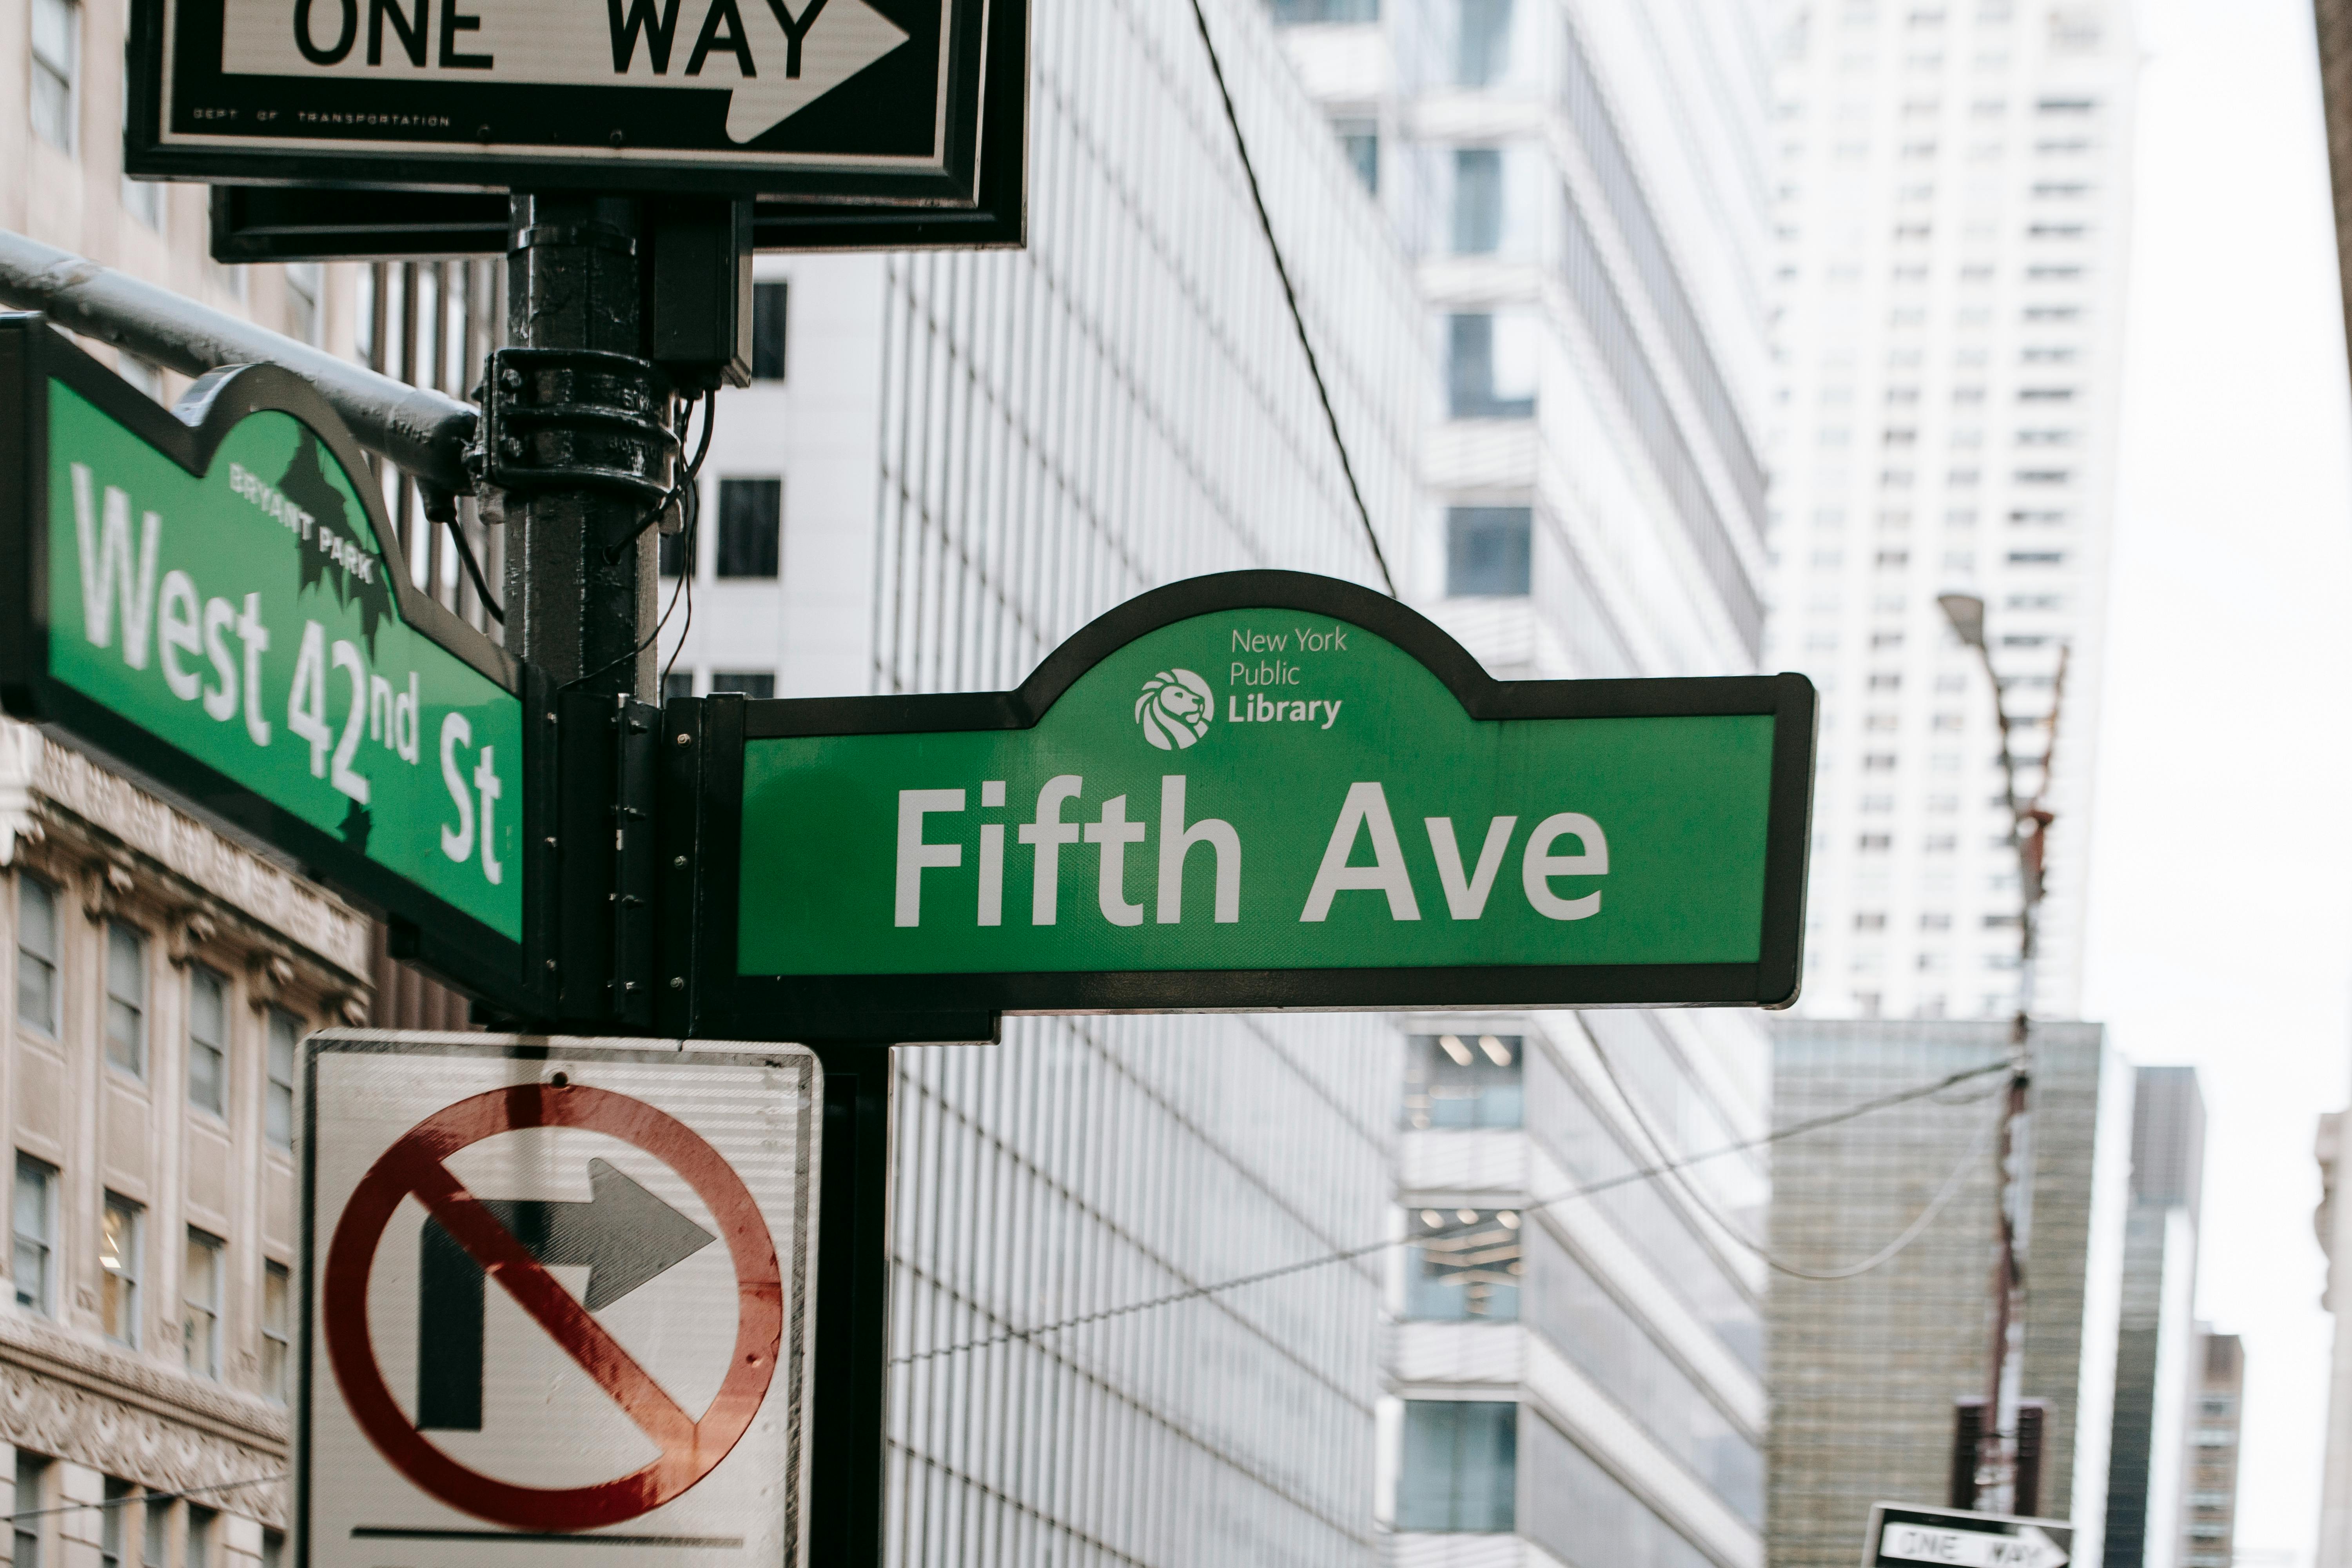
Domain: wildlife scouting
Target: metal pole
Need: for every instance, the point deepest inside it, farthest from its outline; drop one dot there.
(574, 281)
(2029, 822)
(423, 431)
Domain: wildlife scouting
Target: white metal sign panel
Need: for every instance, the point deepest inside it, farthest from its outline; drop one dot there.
(555, 1290)
(1902, 1533)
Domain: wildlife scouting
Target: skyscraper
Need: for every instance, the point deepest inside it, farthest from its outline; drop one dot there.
(2160, 1364)
(1577, 185)
(1951, 229)
(1887, 1225)
(2210, 1515)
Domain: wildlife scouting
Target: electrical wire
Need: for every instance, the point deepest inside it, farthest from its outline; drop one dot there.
(693, 473)
(1290, 298)
(689, 550)
(1772, 1260)
(1589, 1189)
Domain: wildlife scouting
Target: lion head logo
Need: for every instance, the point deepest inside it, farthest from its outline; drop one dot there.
(1175, 709)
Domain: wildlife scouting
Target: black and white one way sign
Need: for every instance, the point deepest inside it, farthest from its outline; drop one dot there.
(847, 98)
(1901, 1534)
(555, 1292)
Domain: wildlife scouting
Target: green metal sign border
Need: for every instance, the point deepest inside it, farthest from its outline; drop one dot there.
(703, 996)
(426, 930)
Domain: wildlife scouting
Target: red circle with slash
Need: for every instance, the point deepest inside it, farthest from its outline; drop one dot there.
(690, 1448)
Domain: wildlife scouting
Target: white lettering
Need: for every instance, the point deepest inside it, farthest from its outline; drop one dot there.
(256, 638)
(1465, 898)
(1367, 807)
(456, 843)
(914, 855)
(486, 780)
(347, 658)
(106, 570)
(1048, 834)
(176, 628)
(1540, 865)
(1114, 832)
(1176, 842)
(220, 616)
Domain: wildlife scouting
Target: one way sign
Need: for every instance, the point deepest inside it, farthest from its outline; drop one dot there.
(555, 1293)
(865, 101)
(1900, 1534)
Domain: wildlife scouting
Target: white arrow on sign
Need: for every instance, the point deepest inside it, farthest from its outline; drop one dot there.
(777, 57)
(2029, 1547)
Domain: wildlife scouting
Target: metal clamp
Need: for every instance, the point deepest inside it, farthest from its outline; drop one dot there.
(576, 419)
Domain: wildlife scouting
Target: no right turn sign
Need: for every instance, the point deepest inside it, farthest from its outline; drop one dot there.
(557, 1291)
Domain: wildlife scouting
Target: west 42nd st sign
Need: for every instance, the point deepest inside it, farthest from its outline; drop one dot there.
(1259, 790)
(220, 606)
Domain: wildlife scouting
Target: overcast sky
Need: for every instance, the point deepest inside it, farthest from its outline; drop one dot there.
(2220, 923)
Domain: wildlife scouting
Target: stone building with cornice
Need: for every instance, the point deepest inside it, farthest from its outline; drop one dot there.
(162, 978)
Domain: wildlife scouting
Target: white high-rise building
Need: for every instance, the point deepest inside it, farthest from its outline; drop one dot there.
(1952, 231)
(1580, 187)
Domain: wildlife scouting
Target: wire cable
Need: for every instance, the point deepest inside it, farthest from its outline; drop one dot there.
(1290, 298)
(1589, 1189)
(1773, 1260)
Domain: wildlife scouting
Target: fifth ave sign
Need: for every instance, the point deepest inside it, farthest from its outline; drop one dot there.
(873, 101)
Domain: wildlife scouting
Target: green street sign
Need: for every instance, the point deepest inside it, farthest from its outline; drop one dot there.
(220, 607)
(1255, 791)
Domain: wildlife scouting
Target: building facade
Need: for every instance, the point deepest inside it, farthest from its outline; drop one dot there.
(2159, 1342)
(1951, 227)
(2209, 1517)
(1579, 188)
(164, 979)
(1868, 1359)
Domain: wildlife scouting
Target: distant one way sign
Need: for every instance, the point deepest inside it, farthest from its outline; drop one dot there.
(1901, 1534)
(556, 1292)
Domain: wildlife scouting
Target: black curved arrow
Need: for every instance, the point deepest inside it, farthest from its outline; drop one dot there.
(623, 1236)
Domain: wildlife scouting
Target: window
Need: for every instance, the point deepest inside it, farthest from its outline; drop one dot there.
(126, 998)
(677, 683)
(768, 318)
(31, 1471)
(155, 1530)
(35, 1214)
(1491, 373)
(273, 1548)
(278, 1109)
(200, 1294)
(1465, 1264)
(200, 1538)
(305, 282)
(751, 520)
(118, 1494)
(207, 1040)
(1360, 141)
(277, 1329)
(743, 682)
(36, 955)
(56, 72)
(1477, 201)
(1489, 550)
(1287, 12)
(118, 1257)
(1464, 1081)
(1458, 1468)
(1483, 50)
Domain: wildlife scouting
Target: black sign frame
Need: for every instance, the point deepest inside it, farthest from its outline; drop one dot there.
(706, 997)
(425, 930)
(1998, 1525)
(985, 54)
